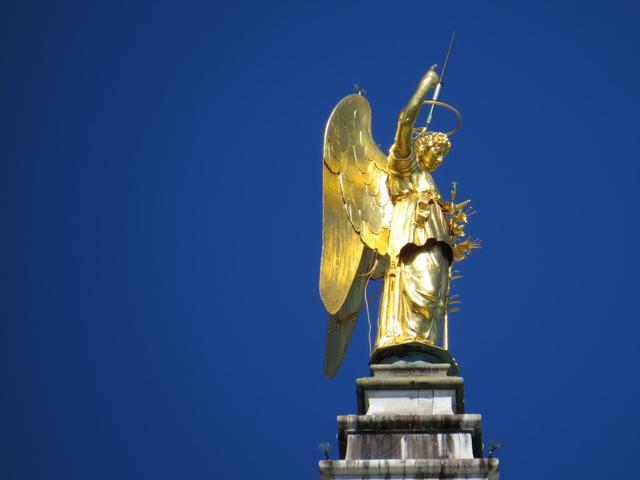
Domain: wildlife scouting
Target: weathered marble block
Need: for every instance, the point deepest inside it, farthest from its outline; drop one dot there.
(410, 389)
(416, 402)
(367, 437)
(405, 446)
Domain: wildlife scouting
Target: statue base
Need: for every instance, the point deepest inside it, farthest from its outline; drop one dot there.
(415, 353)
(411, 425)
(410, 389)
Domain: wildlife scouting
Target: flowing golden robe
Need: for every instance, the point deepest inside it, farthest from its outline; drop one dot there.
(417, 280)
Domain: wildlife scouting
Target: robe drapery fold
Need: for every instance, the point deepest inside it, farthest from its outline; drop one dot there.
(417, 281)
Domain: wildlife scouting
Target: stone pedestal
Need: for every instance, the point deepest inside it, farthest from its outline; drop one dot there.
(411, 425)
(410, 389)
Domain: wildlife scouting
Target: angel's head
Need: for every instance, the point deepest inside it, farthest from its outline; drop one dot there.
(431, 148)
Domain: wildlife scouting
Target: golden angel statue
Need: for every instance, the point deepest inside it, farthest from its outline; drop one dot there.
(383, 217)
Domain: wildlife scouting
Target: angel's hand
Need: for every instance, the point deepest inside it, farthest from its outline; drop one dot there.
(431, 73)
(429, 80)
(409, 114)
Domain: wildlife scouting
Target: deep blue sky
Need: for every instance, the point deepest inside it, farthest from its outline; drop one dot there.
(164, 200)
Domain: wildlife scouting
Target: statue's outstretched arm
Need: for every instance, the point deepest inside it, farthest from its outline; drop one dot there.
(402, 144)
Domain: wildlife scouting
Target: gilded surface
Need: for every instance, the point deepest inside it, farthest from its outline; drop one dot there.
(384, 217)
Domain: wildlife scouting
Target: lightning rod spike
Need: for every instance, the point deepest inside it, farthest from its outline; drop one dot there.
(436, 92)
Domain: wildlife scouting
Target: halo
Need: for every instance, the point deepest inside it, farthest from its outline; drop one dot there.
(422, 130)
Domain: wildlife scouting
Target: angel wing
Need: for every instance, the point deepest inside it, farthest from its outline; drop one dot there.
(356, 218)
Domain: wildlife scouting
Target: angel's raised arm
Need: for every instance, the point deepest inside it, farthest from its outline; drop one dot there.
(402, 144)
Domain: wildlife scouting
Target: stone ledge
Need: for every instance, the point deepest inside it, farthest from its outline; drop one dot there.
(409, 381)
(410, 370)
(409, 423)
(476, 468)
